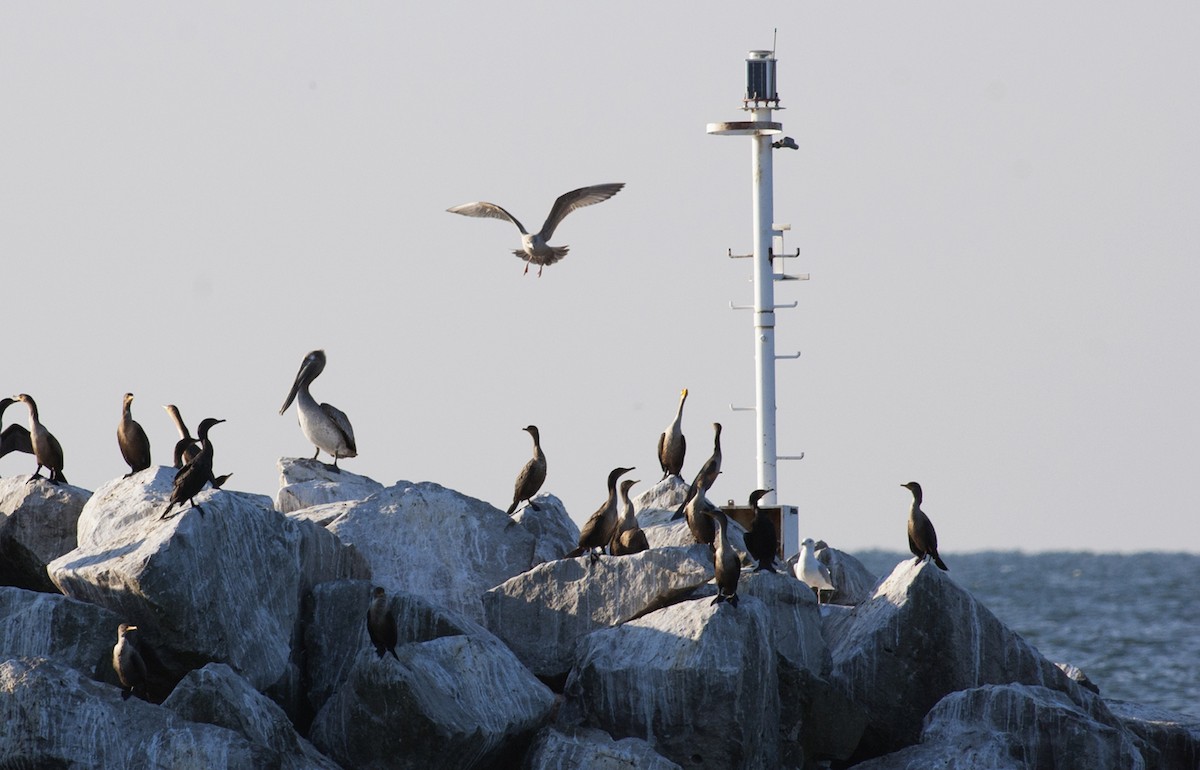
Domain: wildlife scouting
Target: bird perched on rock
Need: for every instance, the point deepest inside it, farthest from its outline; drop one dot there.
(707, 475)
(186, 448)
(726, 564)
(46, 449)
(190, 479)
(381, 624)
(531, 477)
(628, 538)
(128, 663)
(14, 438)
(598, 530)
(534, 248)
(811, 571)
(134, 444)
(922, 539)
(701, 526)
(762, 541)
(672, 445)
(326, 426)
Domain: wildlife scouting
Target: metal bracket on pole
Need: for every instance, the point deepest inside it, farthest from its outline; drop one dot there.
(738, 256)
(794, 355)
(733, 408)
(790, 457)
(788, 306)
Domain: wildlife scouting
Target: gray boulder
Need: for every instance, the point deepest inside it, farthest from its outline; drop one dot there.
(662, 532)
(795, 622)
(433, 542)
(582, 747)
(917, 639)
(37, 525)
(216, 695)
(542, 613)
(1168, 740)
(667, 494)
(553, 530)
(304, 482)
(452, 702)
(817, 722)
(696, 681)
(335, 631)
(1013, 727)
(222, 585)
(53, 716)
(69, 632)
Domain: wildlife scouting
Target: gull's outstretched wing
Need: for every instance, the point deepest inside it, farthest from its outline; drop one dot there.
(490, 211)
(576, 199)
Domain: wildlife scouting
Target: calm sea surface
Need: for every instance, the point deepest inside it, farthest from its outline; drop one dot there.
(1131, 622)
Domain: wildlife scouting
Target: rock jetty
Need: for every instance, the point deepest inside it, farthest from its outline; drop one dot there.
(251, 621)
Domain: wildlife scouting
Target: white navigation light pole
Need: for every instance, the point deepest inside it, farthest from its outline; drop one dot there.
(761, 98)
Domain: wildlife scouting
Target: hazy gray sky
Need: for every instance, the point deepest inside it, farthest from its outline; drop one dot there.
(997, 203)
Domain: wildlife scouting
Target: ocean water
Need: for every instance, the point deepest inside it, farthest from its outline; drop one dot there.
(1131, 622)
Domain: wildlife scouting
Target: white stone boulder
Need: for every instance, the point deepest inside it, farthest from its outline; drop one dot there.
(662, 532)
(335, 631)
(1169, 740)
(304, 482)
(452, 702)
(917, 639)
(794, 621)
(582, 747)
(433, 542)
(552, 528)
(53, 716)
(37, 525)
(1013, 727)
(667, 494)
(216, 695)
(542, 613)
(69, 632)
(696, 681)
(223, 585)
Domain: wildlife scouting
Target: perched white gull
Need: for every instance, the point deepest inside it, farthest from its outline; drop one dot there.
(812, 571)
(534, 249)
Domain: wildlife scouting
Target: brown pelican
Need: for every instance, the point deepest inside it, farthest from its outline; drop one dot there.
(628, 537)
(326, 426)
(922, 539)
(598, 529)
(135, 446)
(672, 445)
(707, 475)
(381, 624)
(186, 448)
(811, 571)
(14, 438)
(726, 564)
(46, 449)
(762, 541)
(128, 663)
(190, 479)
(534, 248)
(530, 479)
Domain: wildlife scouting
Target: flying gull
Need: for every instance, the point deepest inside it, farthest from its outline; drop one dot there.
(534, 248)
